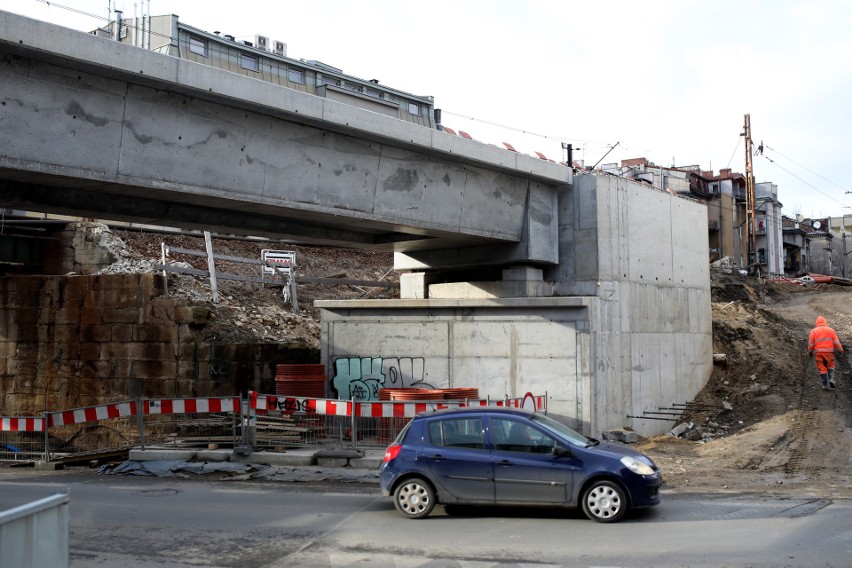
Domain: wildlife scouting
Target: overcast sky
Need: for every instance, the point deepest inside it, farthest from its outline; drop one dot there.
(667, 80)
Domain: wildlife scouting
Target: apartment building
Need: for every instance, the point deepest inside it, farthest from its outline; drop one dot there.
(266, 59)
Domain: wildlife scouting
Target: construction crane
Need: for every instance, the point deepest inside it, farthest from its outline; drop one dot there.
(750, 221)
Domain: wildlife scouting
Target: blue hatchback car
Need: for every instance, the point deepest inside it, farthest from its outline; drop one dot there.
(502, 456)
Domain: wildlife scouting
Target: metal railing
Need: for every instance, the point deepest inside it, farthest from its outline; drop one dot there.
(36, 534)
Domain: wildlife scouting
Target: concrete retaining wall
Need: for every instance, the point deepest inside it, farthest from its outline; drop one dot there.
(502, 348)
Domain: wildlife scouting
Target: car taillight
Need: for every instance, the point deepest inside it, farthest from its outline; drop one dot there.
(391, 452)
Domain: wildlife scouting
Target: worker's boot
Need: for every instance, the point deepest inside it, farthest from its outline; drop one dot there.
(831, 379)
(824, 381)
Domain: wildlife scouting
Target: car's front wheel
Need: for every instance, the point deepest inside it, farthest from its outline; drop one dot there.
(604, 502)
(414, 498)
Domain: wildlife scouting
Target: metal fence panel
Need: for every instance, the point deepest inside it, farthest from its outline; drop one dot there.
(21, 446)
(37, 534)
(193, 429)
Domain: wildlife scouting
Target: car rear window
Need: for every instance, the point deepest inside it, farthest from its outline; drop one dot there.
(457, 433)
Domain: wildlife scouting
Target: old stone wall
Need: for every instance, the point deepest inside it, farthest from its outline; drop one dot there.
(73, 341)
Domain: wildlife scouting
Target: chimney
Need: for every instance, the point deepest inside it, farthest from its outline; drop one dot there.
(117, 30)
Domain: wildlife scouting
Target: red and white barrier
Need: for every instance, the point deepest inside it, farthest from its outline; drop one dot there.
(21, 424)
(91, 414)
(192, 405)
(264, 403)
(261, 403)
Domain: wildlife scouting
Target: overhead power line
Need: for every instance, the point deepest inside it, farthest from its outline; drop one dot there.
(801, 180)
(75, 10)
(803, 167)
(526, 132)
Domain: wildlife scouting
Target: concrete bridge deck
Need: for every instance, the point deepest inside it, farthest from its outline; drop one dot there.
(100, 129)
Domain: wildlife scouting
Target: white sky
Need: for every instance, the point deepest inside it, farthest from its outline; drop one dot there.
(669, 80)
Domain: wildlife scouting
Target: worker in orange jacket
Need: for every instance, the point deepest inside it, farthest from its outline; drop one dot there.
(822, 343)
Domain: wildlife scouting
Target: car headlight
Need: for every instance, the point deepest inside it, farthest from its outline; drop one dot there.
(636, 466)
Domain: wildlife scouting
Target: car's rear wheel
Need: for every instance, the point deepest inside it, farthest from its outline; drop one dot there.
(604, 502)
(414, 498)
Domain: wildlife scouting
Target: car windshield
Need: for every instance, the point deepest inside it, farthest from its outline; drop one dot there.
(557, 427)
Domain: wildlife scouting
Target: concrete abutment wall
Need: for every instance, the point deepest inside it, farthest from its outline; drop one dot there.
(620, 326)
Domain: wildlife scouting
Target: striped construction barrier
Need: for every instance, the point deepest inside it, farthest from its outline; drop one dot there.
(261, 403)
(264, 403)
(149, 407)
(21, 424)
(91, 413)
(192, 405)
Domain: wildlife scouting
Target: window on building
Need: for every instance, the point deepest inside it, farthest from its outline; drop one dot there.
(329, 81)
(296, 75)
(373, 93)
(414, 109)
(198, 46)
(249, 62)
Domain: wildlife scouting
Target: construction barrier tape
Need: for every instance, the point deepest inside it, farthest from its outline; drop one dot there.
(264, 403)
(21, 424)
(91, 414)
(192, 405)
(261, 403)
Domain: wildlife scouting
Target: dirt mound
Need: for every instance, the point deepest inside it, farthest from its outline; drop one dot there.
(250, 312)
(763, 420)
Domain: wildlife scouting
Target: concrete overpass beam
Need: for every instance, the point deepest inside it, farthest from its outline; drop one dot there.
(539, 244)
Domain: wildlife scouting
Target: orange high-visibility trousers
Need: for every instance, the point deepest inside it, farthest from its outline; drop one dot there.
(824, 361)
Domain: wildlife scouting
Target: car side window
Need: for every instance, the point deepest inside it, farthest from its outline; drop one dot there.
(515, 436)
(457, 433)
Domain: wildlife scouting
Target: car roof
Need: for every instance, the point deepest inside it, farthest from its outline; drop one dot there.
(461, 411)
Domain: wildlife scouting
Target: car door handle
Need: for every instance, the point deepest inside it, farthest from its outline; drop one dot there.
(437, 457)
(505, 462)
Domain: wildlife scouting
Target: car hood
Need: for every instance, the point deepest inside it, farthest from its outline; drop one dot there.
(618, 451)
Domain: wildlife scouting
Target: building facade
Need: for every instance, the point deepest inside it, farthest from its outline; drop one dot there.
(266, 60)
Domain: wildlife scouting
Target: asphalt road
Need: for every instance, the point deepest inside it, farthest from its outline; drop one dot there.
(143, 522)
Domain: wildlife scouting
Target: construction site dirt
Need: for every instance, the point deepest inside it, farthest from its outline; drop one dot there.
(762, 423)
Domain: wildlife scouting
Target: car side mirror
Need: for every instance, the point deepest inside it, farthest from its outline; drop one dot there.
(562, 452)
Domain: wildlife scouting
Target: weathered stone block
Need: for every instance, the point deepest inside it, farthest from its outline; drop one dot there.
(161, 311)
(151, 285)
(122, 315)
(186, 334)
(122, 297)
(187, 389)
(121, 368)
(74, 290)
(154, 369)
(91, 316)
(113, 351)
(187, 370)
(122, 333)
(67, 314)
(99, 332)
(155, 333)
(153, 351)
(192, 315)
(94, 369)
(90, 351)
(190, 352)
(165, 388)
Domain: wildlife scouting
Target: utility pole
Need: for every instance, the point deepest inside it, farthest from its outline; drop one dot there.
(749, 173)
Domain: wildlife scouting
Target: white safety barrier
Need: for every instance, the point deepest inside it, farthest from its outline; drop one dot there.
(36, 534)
(263, 403)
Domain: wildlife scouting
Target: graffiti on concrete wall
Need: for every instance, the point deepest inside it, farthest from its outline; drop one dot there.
(362, 377)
